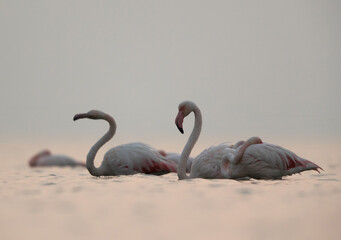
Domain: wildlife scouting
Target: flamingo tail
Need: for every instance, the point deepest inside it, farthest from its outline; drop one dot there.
(296, 165)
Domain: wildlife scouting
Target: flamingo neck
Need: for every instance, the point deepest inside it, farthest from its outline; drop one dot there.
(251, 141)
(93, 151)
(239, 155)
(190, 144)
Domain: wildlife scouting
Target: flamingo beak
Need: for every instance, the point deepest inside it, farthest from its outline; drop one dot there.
(80, 116)
(179, 120)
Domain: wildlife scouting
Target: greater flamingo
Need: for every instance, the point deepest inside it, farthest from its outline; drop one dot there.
(260, 160)
(124, 159)
(208, 163)
(250, 158)
(45, 158)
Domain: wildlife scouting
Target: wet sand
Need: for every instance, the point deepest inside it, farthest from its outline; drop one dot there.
(68, 203)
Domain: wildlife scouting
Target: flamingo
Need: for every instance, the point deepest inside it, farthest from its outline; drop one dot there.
(175, 157)
(124, 159)
(245, 159)
(260, 160)
(45, 158)
(208, 163)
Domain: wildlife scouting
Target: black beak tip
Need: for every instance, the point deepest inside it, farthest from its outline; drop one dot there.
(181, 130)
(75, 118)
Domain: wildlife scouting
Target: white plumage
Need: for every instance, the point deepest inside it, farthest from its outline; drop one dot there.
(265, 161)
(208, 163)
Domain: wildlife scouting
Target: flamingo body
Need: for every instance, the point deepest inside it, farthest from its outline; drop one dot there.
(208, 163)
(132, 158)
(267, 161)
(45, 158)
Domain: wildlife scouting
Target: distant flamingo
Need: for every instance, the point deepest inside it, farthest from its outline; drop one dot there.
(45, 158)
(260, 160)
(208, 163)
(175, 157)
(124, 159)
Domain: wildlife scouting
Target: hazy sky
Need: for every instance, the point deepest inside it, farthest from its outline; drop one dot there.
(267, 68)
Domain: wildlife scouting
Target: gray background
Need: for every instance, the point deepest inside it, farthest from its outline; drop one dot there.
(267, 68)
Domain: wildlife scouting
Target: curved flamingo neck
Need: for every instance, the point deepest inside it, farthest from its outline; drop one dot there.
(190, 143)
(239, 155)
(93, 151)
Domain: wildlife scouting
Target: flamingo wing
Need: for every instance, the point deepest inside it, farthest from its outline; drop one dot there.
(156, 166)
(271, 161)
(135, 158)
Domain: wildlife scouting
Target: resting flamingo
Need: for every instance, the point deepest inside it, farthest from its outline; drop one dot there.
(124, 159)
(45, 158)
(214, 162)
(260, 160)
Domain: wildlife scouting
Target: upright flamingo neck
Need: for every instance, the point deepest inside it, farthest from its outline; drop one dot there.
(190, 144)
(93, 151)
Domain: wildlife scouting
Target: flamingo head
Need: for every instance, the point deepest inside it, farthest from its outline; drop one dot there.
(93, 114)
(185, 108)
(254, 140)
(163, 153)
